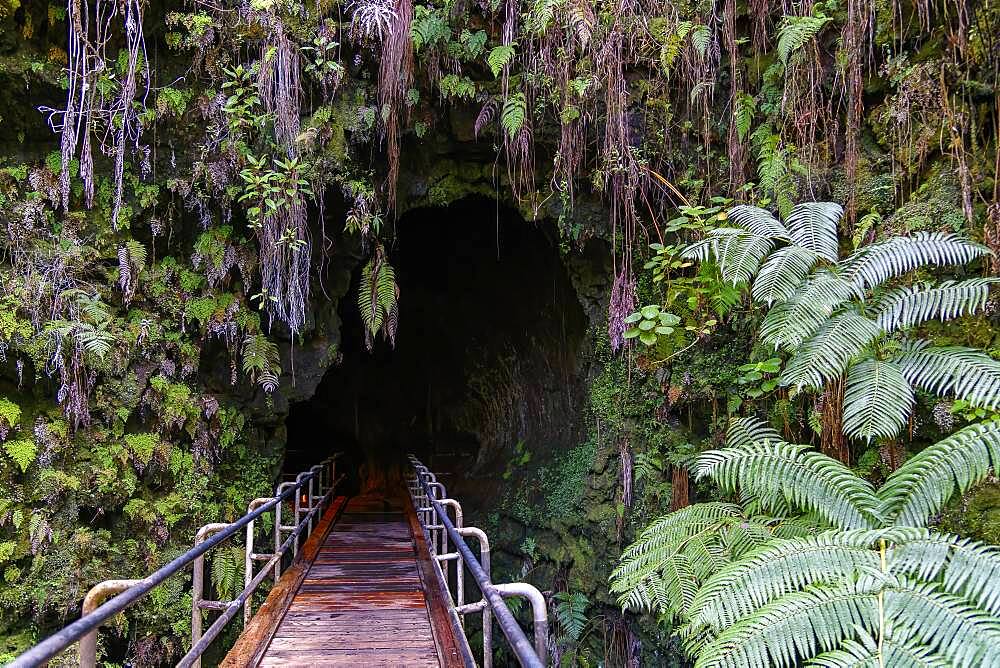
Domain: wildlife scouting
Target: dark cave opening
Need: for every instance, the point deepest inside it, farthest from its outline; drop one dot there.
(486, 354)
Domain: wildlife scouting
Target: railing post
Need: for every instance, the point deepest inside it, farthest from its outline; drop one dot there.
(539, 612)
(97, 595)
(278, 527)
(249, 558)
(198, 583)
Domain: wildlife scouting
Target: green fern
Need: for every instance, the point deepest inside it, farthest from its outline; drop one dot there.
(920, 487)
(744, 108)
(227, 571)
(780, 474)
(22, 451)
(501, 56)
(571, 614)
(377, 295)
(908, 307)
(877, 400)
(513, 114)
(796, 31)
(261, 362)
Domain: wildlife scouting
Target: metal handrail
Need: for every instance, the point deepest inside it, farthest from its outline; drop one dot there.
(209, 537)
(433, 517)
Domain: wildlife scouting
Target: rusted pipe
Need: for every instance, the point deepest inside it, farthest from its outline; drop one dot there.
(97, 595)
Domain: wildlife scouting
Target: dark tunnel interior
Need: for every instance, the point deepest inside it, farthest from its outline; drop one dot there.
(479, 288)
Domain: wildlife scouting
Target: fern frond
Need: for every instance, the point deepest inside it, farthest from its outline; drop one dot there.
(571, 613)
(758, 221)
(737, 252)
(965, 373)
(876, 263)
(961, 566)
(825, 356)
(788, 324)
(781, 567)
(797, 625)
(921, 486)
(783, 273)
(796, 31)
(500, 56)
(512, 115)
(813, 225)
(944, 623)
(911, 306)
(806, 479)
(663, 537)
(867, 652)
(877, 400)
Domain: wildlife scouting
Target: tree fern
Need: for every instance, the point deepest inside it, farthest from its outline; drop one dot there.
(813, 225)
(869, 652)
(921, 486)
(790, 323)
(798, 624)
(965, 373)
(810, 481)
(780, 567)
(825, 356)
(962, 567)
(782, 274)
(876, 263)
(877, 400)
(944, 623)
(758, 221)
(910, 306)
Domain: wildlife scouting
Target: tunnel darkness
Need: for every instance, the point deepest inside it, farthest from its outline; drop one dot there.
(486, 352)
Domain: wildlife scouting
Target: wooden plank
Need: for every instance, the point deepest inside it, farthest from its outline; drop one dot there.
(253, 641)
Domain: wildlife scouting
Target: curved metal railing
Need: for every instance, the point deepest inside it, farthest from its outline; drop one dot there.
(430, 499)
(311, 491)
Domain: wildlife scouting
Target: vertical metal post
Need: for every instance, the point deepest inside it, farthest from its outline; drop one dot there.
(97, 595)
(198, 584)
(249, 558)
(278, 526)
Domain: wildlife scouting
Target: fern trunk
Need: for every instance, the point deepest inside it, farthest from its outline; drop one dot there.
(679, 488)
(832, 441)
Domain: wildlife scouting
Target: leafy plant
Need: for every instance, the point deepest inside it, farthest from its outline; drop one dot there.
(500, 56)
(378, 297)
(22, 451)
(571, 613)
(261, 362)
(796, 31)
(837, 319)
(874, 586)
(649, 323)
(513, 114)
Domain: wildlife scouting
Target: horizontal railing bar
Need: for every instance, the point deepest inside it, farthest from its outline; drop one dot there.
(515, 635)
(70, 634)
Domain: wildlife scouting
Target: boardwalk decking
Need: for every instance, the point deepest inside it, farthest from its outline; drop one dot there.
(362, 601)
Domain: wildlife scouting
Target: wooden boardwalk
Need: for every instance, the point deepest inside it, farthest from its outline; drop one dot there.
(363, 601)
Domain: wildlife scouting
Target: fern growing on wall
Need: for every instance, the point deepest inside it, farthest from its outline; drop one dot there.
(378, 296)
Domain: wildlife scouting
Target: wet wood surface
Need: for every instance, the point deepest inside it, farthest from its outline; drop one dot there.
(361, 601)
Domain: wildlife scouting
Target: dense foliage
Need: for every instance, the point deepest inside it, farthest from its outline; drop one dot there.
(184, 187)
